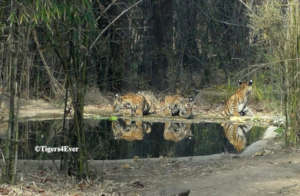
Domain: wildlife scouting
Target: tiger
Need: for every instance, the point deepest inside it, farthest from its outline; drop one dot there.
(135, 103)
(176, 105)
(235, 133)
(177, 131)
(151, 100)
(130, 130)
(237, 104)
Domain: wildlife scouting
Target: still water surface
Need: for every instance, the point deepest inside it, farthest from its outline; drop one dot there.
(124, 139)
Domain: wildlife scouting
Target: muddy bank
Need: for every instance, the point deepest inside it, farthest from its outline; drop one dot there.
(207, 108)
(273, 173)
(41, 110)
(268, 171)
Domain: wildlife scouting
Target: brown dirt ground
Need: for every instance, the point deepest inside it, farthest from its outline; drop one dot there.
(274, 171)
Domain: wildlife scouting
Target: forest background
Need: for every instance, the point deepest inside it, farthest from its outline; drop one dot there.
(52, 47)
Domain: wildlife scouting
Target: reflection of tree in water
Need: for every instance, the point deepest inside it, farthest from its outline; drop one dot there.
(177, 131)
(101, 143)
(34, 133)
(130, 130)
(236, 134)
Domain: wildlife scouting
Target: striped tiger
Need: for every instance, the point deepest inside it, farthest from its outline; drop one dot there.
(237, 104)
(176, 105)
(136, 103)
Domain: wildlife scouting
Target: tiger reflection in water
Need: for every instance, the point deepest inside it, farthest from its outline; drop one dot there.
(177, 131)
(236, 134)
(130, 130)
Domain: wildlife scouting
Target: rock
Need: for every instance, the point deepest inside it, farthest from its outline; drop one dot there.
(270, 132)
(254, 148)
(258, 148)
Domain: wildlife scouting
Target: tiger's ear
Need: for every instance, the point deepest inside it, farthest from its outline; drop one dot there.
(240, 82)
(116, 95)
(250, 82)
(191, 99)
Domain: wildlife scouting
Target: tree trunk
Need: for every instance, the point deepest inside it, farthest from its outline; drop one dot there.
(12, 141)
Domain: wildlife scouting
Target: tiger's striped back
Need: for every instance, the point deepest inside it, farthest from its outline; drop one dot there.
(151, 100)
(135, 103)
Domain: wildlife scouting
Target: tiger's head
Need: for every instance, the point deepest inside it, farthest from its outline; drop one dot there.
(245, 88)
(177, 131)
(118, 127)
(120, 104)
(186, 107)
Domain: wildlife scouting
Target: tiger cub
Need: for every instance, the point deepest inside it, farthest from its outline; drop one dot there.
(176, 105)
(236, 134)
(130, 130)
(237, 104)
(177, 131)
(135, 103)
(151, 100)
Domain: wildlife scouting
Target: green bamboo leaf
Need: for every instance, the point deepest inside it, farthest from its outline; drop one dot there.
(37, 5)
(113, 118)
(35, 20)
(21, 19)
(57, 10)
